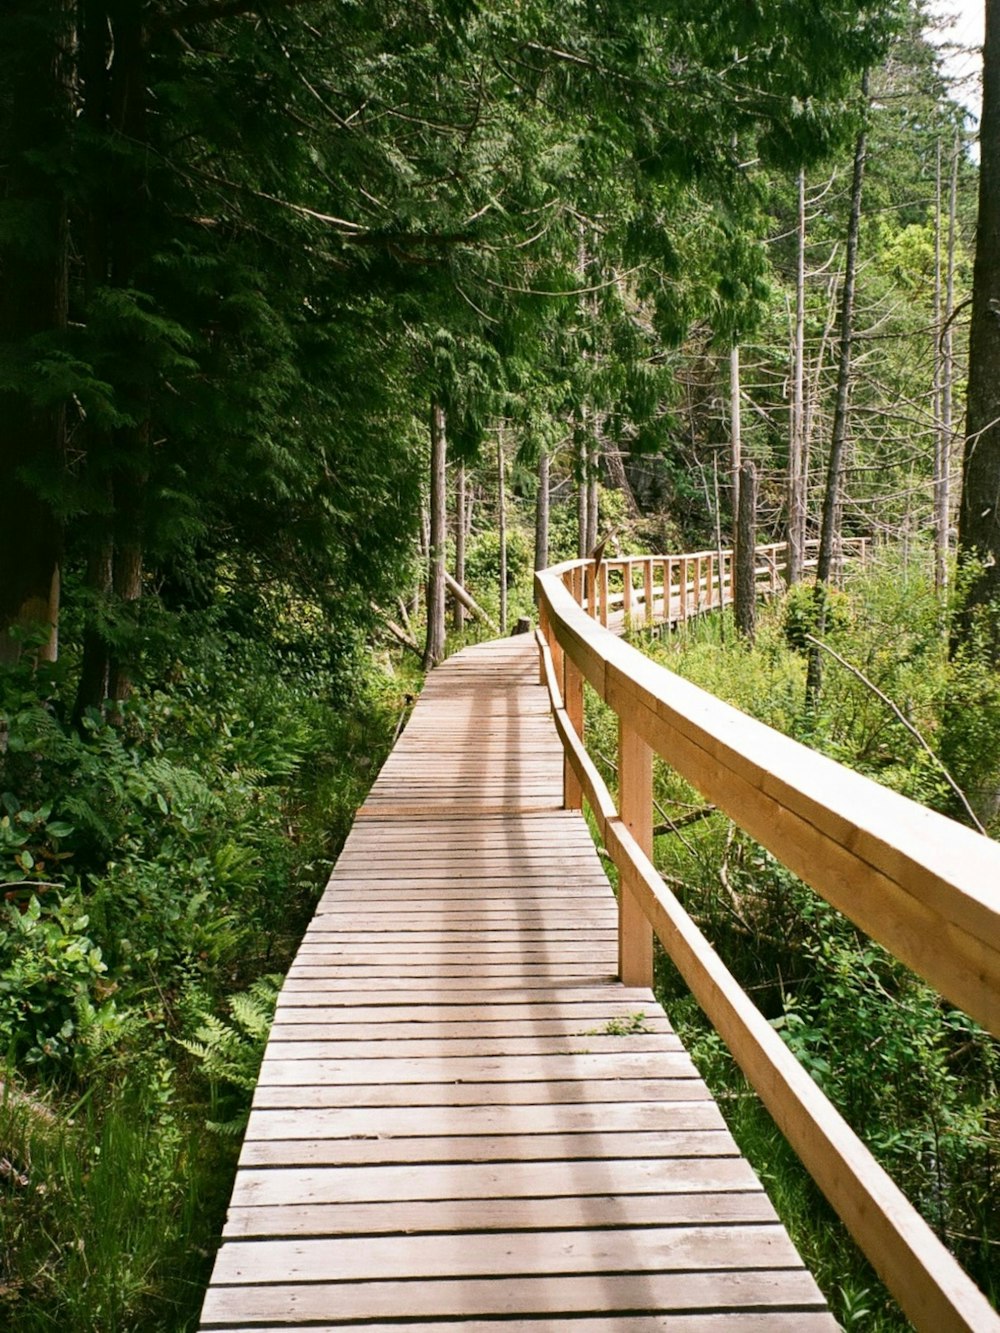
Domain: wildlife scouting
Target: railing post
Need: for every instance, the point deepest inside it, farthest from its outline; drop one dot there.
(647, 589)
(635, 805)
(572, 688)
(543, 625)
(590, 585)
(602, 583)
(627, 592)
(685, 575)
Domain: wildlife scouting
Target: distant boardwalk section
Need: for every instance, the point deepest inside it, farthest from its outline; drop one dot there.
(463, 1120)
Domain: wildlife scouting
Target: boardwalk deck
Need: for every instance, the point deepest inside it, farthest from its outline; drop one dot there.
(462, 1118)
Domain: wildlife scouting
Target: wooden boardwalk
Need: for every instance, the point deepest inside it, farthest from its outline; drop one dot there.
(462, 1119)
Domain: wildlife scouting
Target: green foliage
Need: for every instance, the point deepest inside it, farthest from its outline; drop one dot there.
(152, 869)
(229, 1053)
(54, 997)
(801, 614)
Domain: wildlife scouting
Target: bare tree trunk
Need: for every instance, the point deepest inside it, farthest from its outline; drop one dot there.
(940, 438)
(459, 541)
(746, 547)
(434, 643)
(542, 513)
(830, 533)
(618, 477)
(592, 505)
(502, 529)
(943, 484)
(582, 458)
(735, 434)
(796, 441)
(33, 300)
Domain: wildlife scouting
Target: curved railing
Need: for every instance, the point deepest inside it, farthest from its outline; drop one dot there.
(923, 886)
(676, 588)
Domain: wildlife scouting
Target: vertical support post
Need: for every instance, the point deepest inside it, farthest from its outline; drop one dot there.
(543, 625)
(572, 683)
(710, 582)
(635, 805)
(647, 589)
(590, 577)
(602, 580)
(685, 574)
(627, 591)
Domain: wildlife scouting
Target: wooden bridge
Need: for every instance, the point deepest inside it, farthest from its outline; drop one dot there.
(465, 1119)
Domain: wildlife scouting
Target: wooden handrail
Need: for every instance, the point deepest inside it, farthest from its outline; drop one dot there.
(923, 886)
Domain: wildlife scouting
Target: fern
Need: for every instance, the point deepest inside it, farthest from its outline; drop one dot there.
(230, 1052)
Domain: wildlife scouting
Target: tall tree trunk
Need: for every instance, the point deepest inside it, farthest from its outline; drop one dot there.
(502, 528)
(92, 687)
(940, 436)
(948, 368)
(542, 513)
(797, 479)
(618, 477)
(735, 434)
(459, 541)
(33, 304)
(830, 532)
(437, 538)
(592, 496)
(979, 517)
(582, 460)
(746, 548)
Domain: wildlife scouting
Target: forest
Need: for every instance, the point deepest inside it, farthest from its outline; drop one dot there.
(314, 312)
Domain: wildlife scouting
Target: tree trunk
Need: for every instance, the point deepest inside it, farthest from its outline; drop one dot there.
(618, 478)
(92, 687)
(746, 547)
(830, 532)
(33, 304)
(542, 513)
(979, 518)
(437, 537)
(735, 433)
(940, 437)
(948, 371)
(459, 541)
(592, 497)
(796, 439)
(582, 549)
(502, 529)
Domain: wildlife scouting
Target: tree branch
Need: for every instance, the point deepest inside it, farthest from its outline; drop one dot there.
(906, 723)
(193, 15)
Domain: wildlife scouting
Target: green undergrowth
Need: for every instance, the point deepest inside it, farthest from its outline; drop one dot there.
(915, 1078)
(156, 877)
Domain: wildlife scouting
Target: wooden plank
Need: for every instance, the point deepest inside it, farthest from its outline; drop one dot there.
(519, 1069)
(480, 1094)
(792, 1291)
(513, 1254)
(485, 1181)
(295, 1025)
(465, 1216)
(391, 1048)
(541, 1120)
(379, 1150)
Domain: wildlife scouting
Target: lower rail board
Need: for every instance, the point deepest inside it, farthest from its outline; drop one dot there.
(462, 1119)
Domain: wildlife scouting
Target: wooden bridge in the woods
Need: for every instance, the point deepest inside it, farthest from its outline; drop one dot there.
(464, 1117)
